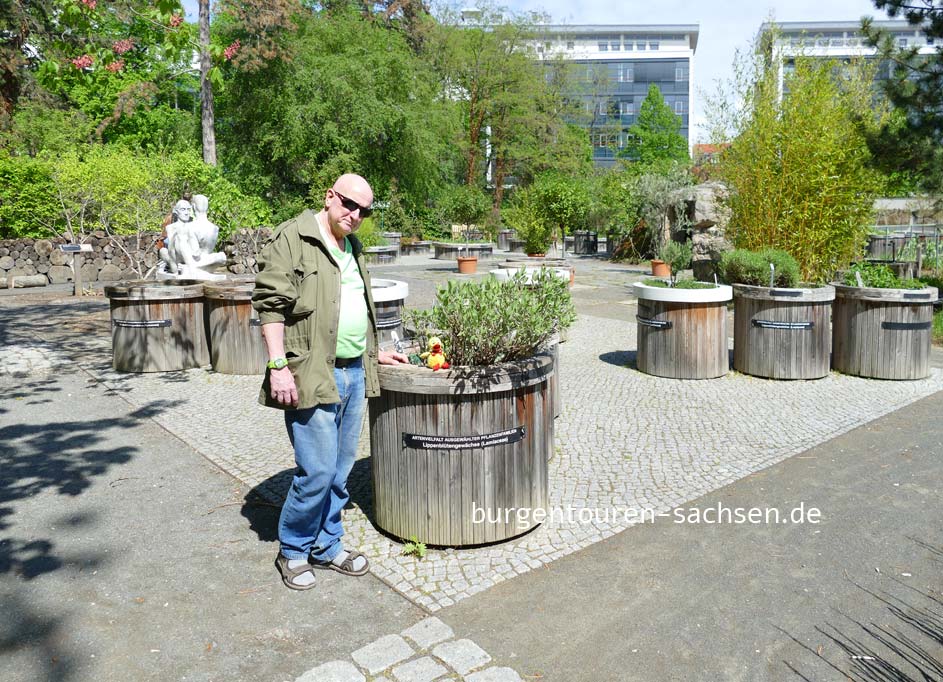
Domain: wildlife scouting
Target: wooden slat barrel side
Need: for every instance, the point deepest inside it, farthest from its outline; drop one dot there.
(682, 340)
(157, 327)
(883, 333)
(433, 494)
(782, 333)
(233, 328)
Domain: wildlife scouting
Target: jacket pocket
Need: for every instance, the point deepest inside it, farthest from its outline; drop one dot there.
(307, 287)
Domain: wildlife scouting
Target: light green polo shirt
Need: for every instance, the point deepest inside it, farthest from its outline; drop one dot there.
(354, 316)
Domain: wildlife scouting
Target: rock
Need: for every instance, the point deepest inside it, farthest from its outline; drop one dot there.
(23, 281)
(60, 274)
(6, 262)
(43, 247)
(89, 274)
(109, 273)
(58, 257)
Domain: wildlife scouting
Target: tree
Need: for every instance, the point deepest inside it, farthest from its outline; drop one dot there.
(913, 141)
(21, 23)
(656, 134)
(799, 165)
(207, 118)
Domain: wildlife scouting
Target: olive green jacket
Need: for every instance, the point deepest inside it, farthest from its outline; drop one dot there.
(299, 283)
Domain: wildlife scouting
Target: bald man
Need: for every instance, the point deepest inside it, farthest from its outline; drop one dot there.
(319, 325)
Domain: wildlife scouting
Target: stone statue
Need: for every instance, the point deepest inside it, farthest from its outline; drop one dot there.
(191, 239)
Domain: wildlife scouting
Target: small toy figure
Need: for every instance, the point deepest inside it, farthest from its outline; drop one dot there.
(434, 357)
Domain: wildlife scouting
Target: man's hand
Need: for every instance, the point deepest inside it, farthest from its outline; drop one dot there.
(391, 357)
(282, 382)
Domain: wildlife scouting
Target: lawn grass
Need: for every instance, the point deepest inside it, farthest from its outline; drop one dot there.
(938, 327)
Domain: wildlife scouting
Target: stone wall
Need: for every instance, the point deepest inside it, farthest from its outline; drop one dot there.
(115, 258)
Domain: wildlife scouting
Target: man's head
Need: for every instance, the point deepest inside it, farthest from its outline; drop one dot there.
(183, 211)
(201, 204)
(346, 203)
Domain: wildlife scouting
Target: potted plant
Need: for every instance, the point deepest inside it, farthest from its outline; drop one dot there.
(477, 435)
(682, 324)
(781, 329)
(882, 325)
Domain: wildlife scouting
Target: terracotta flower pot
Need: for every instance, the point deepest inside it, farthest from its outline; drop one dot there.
(467, 265)
(660, 268)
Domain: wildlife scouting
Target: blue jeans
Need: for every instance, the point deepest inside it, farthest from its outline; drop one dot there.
(325, 442)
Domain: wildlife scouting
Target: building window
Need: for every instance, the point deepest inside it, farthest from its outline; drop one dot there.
(679, 74)
(614, 45)
(902, 42)
(570, 45)
(640, 46)
(626, 73)
(627, 46)
(626, 108)
(653, 45)
(679, 107)
(603, 46)
(930, 40)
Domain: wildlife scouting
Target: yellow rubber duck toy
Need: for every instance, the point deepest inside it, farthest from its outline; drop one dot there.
(434, 357)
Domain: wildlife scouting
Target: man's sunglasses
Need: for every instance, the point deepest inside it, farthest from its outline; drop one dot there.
(351, 205)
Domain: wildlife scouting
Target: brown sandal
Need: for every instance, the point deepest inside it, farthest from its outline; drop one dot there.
(347, 566)
(289, 574)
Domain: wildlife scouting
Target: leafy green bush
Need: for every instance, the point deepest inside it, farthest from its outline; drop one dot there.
(112, 188)
(525, 219)
(676, 255)
(28, 200)
(486, 322)
(464, 205)
(879, 277)
(742, 266)
(368, 234)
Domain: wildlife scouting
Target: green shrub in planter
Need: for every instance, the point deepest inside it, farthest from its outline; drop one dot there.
(489, 321)
(878, 277)
(677, 256)
(680, 284)
(743, 266)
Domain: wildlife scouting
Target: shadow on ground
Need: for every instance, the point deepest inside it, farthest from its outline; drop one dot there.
(262, 504)
(908, 647)
(55, 458)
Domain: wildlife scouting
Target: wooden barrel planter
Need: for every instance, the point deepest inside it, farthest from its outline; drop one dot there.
(886, 247)
(516, 245)
(682, 333)
(451, 251)
(235, 333)
(782, 333)
(585, 243)
(553, 348)
(904, 269)
(883, 333)
(445, 444)
(504, 239)
(381, 254)
(415, 248)
(389, 296)
(502, 274)
(157, 326)
(392, 238)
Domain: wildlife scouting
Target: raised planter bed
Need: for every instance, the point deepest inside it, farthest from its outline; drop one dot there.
(504, 239)
(451, 251)
(782, 333)
(518, 262)
(445, 443)
(235, 332)
(886, 247)
(503, 273)
(381, 254)
(515, 245)
(882, 333)
(415, 248)
(157, 326)
(392, 238)
(682, 333)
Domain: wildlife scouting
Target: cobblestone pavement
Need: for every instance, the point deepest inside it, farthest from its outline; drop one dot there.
(625, 441)
(425, 652)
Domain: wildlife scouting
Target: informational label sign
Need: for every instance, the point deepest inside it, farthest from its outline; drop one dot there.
(774, 324)
(785, 292)
(490, 440)
(917, 297)
(907, 326)
(75, 248)
(651, 322)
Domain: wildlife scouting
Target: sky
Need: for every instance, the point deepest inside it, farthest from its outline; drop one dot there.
(724, 26)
